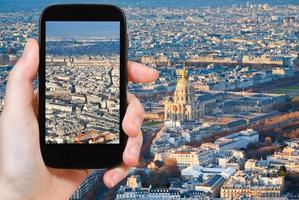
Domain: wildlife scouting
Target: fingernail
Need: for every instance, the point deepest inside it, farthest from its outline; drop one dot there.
(115, 178)
(111, 182)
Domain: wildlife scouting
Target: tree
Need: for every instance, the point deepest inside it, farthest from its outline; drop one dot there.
(170, 162)
(282, 171)
(170, 168)
(268, 140)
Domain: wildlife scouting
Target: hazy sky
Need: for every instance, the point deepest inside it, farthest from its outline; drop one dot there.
(13, 5)
(75, 29)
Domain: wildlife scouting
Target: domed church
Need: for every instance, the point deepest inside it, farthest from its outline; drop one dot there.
(182, 106)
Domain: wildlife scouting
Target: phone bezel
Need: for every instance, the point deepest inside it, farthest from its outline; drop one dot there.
(82, 155)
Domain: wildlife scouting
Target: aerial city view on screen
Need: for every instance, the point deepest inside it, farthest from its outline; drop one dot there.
(222, 120)
(82, 82)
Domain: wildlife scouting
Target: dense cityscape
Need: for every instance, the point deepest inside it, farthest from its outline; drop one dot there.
(82, 99)
(82, 84)
(222, 120)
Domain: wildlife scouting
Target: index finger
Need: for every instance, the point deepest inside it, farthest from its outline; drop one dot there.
(140, 73)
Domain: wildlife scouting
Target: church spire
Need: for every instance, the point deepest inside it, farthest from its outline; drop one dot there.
(184, 72)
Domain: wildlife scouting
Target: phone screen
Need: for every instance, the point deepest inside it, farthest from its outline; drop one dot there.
(82, 82)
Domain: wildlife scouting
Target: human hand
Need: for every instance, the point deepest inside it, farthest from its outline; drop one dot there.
(23, 174)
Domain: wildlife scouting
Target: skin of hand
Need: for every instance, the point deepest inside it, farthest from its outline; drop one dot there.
(23, 174)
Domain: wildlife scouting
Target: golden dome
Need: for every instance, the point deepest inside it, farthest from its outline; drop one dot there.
(184, 73)
(183, 82)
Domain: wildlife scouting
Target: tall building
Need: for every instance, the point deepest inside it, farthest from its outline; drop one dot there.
(182, 106)
(134, 190)
(134, 181)
(288, 157)
(252, 185)
(190, 157)
(87, 186)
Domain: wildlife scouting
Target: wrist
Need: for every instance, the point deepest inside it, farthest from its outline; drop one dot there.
(8, 193)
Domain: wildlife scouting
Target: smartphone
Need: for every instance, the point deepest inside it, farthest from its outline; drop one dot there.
(82, 85)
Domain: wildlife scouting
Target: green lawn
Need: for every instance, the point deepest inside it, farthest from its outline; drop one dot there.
(151, 123)
(285, 89)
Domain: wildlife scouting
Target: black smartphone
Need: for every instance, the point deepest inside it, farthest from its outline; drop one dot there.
(82, 85)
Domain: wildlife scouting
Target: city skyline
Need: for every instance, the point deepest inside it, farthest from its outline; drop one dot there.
(80, 73)
(36, 4)
(222, 118)
(65, 30)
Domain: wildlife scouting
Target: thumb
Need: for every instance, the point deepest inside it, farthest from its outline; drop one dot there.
(19, 90)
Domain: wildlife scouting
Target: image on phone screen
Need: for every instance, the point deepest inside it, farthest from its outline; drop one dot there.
(82, 82)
